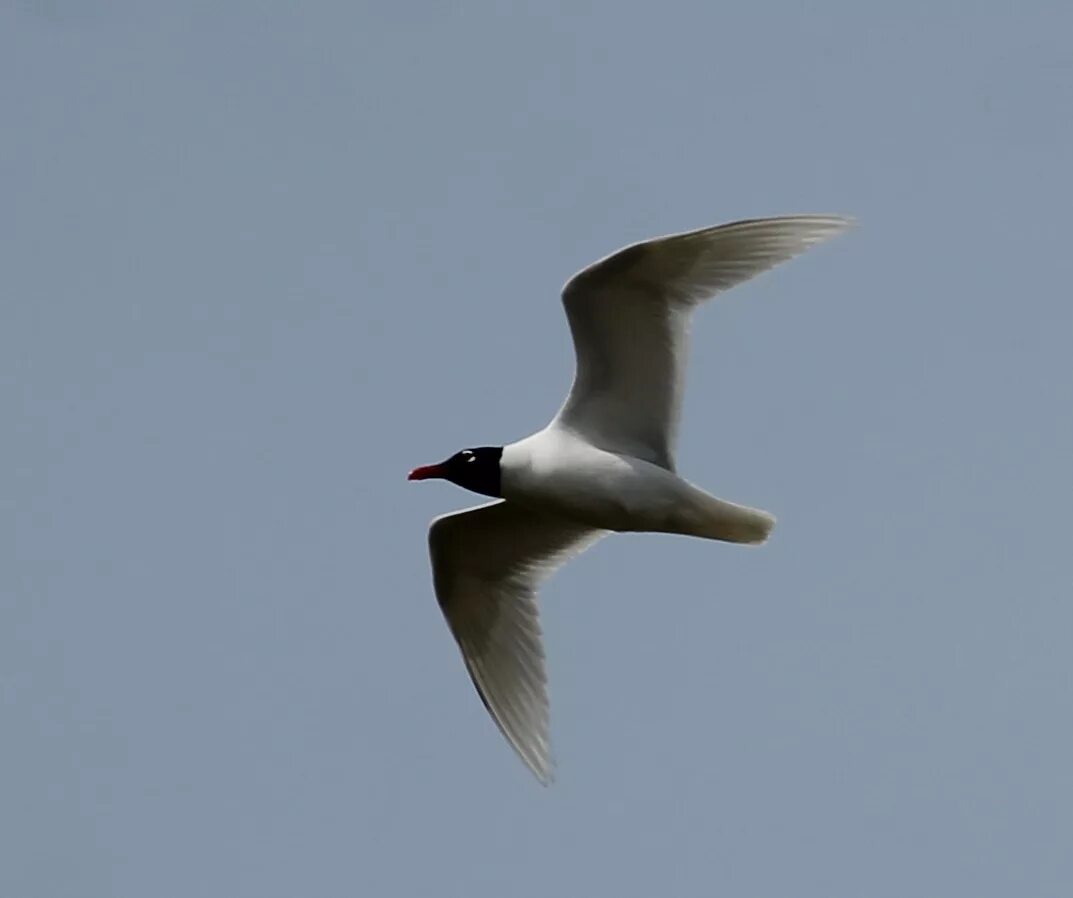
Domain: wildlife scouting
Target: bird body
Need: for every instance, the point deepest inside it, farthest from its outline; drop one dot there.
(605, 463)
(559, 473)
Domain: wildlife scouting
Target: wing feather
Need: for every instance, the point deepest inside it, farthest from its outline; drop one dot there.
(487, 563)
(629, 317)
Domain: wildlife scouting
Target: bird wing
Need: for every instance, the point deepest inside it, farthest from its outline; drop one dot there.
(487, 563)
(629, 317)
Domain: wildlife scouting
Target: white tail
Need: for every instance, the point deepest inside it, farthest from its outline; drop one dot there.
(712, 518)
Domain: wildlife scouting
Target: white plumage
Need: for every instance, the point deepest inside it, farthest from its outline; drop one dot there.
(604, 463)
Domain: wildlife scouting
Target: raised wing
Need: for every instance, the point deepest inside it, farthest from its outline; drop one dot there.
(629, 317)
(487, 563)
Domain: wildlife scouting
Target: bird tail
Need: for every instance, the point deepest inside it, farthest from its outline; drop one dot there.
(731, 523)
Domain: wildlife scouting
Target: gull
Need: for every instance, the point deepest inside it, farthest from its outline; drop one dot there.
(605, 463)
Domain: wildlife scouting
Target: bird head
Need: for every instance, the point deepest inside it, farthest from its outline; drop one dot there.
(473, 469)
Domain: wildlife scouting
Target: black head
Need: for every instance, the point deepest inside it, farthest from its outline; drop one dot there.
(474, 469)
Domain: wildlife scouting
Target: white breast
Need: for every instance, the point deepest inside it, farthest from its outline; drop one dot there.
(560, 473)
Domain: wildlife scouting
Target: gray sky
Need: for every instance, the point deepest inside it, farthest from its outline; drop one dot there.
(258, 261)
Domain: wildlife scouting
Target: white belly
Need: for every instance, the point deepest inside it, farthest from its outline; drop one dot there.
(555, 472)
(565, 476)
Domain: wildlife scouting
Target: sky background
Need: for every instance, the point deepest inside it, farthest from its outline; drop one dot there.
(258, 259)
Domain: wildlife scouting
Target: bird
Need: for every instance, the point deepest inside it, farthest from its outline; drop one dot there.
(604, 464)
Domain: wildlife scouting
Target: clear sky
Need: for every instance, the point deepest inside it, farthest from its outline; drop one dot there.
(258, 259)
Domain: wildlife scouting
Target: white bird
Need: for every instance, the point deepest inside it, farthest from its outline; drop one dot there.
(604, 463)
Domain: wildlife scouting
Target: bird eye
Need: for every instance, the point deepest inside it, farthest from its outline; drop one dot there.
(467, 455)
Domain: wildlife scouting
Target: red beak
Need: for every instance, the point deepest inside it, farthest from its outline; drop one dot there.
(426, 472)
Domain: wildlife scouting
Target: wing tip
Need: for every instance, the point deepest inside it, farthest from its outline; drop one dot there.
(542, 768)
(830, 223)
(837, 223)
